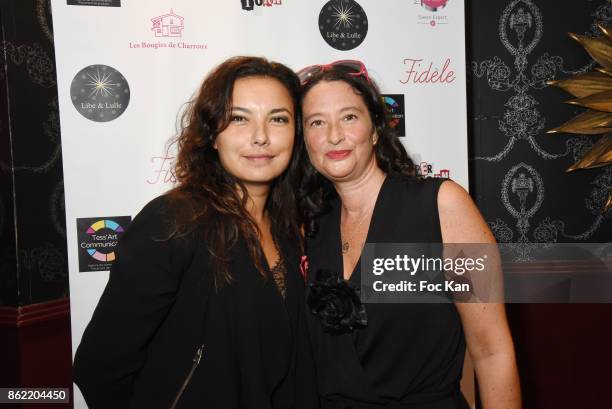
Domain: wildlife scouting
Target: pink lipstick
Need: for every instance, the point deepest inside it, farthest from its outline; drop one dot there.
(338, 155)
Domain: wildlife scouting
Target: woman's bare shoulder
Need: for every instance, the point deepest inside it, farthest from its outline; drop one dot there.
(460, 219)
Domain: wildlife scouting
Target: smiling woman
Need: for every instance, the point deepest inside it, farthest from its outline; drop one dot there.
(360, 187)
(340, 132)
(204, 305)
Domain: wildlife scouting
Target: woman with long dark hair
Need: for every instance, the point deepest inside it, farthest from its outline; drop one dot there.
(360, 186)
(204, 304)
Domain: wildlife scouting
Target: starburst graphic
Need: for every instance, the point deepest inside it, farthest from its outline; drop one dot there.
(343, 24)
(344, 15)
(100, 93)
(100, 84)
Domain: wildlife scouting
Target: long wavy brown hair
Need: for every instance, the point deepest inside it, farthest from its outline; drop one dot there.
(215, 200)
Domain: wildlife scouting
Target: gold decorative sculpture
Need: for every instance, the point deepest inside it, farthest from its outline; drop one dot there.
(593, 91)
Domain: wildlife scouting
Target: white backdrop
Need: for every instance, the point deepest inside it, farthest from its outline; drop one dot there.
(114, 167)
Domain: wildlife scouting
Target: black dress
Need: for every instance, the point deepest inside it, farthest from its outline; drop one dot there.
(408, 356)
(139, 346)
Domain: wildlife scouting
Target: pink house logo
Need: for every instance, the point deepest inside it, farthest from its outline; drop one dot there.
(168, 25)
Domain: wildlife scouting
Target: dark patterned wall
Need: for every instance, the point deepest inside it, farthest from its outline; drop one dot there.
(8, 265)
(519, 183)
(517, 169)
(30, 162)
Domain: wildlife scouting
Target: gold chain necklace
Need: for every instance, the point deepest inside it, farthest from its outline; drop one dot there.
(346, 243)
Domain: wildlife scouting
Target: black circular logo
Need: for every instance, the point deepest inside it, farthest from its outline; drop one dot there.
(343, 24)
(100, 93)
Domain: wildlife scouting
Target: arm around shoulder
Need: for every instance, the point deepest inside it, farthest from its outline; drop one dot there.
(142, 287)
(485, 325)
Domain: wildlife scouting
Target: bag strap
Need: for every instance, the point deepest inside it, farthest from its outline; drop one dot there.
(207, 298)
(200, 351)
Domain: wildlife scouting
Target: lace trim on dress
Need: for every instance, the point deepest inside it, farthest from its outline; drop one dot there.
(279, 274)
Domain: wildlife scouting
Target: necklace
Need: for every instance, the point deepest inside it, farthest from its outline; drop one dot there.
(346, 243)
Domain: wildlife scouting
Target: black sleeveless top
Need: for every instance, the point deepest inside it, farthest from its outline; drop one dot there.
(409, 355)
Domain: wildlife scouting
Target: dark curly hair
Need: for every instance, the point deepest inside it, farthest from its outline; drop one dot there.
(315, 191)
(212, 200)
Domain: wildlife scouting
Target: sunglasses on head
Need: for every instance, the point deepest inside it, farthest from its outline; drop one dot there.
(351, 67)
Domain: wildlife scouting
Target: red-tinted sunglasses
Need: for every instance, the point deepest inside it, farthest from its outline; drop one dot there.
(351, 67)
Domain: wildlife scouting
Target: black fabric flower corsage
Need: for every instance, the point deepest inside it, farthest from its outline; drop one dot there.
(336, 303)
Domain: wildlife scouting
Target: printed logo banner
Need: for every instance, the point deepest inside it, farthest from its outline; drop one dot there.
(396, 112)
(98, 239)
(99, 3)
(100, 93)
